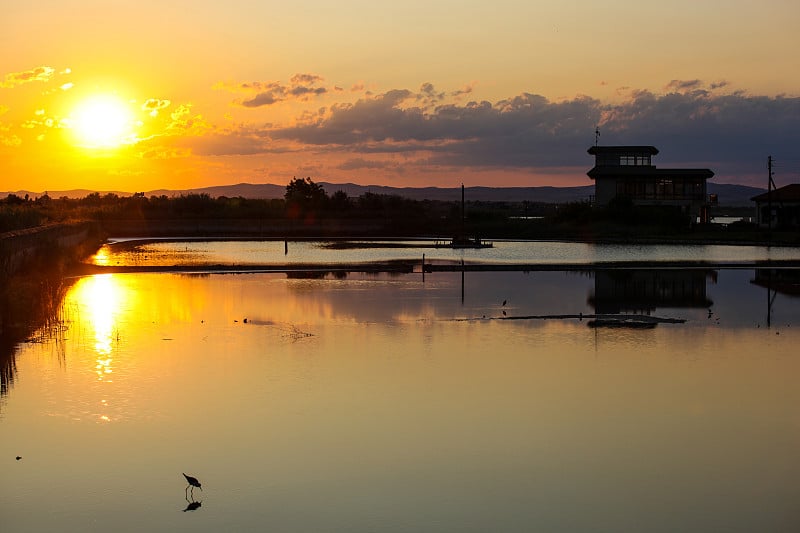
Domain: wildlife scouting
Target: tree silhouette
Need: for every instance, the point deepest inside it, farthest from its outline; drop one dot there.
(305, 193)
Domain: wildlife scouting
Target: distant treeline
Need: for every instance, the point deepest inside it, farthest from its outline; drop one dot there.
(304, 200)
(307, 210)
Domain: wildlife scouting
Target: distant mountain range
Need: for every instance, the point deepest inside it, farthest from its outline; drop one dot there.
(728, 194)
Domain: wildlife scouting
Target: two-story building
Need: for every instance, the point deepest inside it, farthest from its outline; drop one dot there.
(628, 171)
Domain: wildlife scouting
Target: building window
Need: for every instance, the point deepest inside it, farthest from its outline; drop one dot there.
(634, 160)
(664, 188)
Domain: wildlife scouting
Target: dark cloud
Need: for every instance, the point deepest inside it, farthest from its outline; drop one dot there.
(303, 91)
(465, 90)
(429, 95)
(522, 131)
(261, 99)
(305, 79)
(730, 133)
(301, 87)
(683, 85)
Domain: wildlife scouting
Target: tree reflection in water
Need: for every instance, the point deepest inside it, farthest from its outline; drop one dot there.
(30, 311)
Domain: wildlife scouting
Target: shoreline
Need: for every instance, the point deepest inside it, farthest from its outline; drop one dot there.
(415, 266)
(398, 241)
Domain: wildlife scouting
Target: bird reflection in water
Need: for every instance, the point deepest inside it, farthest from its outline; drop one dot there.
(192, 483)
(193, 505)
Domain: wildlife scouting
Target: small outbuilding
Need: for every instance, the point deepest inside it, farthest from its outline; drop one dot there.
(628, 171)
(779, 208)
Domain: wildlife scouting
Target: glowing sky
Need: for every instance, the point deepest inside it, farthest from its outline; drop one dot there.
(411, 93)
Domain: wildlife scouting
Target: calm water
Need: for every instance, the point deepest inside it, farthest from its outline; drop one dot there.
(527, 252)
(381, 402)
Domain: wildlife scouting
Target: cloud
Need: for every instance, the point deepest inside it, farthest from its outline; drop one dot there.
(527, 120)
(693, 124)
(305, 79)
(300, 92)
(13, 79)
(265, 98)
(7, 138)
(732, 133)
(227, 144)
(359, 163)
(154, 105)
(186, 123)
(429, 94)
(302, 87)
(12, 140)
(683, 85)
(465, 90)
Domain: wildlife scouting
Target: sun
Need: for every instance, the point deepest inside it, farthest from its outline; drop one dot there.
(103, 121)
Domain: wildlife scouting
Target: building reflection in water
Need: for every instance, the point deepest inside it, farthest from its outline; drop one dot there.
(785, 281)
(642, 291)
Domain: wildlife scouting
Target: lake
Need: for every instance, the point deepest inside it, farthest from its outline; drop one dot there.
(661, 399)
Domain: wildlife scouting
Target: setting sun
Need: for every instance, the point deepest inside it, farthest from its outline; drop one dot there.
(103, 122)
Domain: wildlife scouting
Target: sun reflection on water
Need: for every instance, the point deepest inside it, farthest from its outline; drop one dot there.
(102, 256)
(102, 297)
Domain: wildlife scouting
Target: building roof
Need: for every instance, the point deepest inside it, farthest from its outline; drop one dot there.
(787, 193)
(595, 150)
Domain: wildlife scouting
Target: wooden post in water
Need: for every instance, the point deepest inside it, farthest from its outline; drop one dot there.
(285, 246)
(423, 268)
(462, 281)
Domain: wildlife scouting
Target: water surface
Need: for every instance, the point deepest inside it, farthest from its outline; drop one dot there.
(165, 253)
(387, 403)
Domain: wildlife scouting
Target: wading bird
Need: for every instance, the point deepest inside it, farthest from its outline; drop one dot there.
(193, 482)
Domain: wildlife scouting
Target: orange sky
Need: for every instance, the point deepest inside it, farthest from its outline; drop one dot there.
(135, 96)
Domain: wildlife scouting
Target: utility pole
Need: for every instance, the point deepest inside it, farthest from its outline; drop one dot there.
(463, 213)
(770, 187)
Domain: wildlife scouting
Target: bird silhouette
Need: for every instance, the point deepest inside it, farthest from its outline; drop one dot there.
(193, 482)
(505, 302)
(19, 457)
